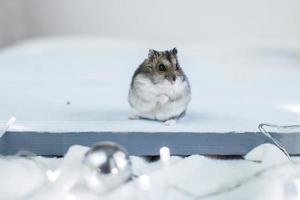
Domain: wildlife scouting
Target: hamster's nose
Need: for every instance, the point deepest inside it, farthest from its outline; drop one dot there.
(174, 78)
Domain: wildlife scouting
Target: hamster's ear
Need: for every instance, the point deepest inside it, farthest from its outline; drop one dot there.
(152, 54)
(174, 51)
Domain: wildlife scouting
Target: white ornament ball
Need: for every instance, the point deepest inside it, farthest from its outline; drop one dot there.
(109, 166)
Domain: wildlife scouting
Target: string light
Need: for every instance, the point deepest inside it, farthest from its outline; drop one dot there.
(144, 182)
(164, 153)
(93, 181)
(165, 157)
(52, 175)
(114, 171)
(9, 124)
(11, 121)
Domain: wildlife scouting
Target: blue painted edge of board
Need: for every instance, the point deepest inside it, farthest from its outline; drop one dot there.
(144, 143)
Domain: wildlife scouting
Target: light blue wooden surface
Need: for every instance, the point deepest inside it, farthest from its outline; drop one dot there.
(79, 86)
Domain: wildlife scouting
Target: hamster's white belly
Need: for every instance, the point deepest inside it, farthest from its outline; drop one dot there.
(143, 98)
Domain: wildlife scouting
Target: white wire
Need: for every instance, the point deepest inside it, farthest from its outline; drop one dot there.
(276, 142)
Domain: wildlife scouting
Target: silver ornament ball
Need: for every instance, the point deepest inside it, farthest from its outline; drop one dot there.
(110, 164)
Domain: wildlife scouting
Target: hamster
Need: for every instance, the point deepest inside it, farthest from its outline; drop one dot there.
(159, 88)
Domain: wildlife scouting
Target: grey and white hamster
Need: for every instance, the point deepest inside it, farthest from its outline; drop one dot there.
(159, 88)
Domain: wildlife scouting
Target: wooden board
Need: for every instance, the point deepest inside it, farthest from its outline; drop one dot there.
(65, 92)
(57, 144)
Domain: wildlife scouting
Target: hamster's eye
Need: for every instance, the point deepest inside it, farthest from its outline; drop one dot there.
(162, 67)
(177, 66)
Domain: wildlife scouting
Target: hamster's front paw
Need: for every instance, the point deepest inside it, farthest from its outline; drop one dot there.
(132, 116)
(170, 122)
(162, 99)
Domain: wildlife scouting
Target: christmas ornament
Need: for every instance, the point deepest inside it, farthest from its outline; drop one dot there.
(109, 166)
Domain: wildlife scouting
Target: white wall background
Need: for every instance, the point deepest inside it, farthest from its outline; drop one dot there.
(172, 20)
(12, 21)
